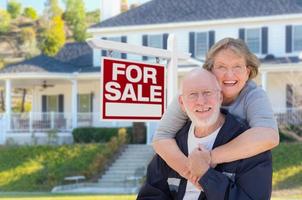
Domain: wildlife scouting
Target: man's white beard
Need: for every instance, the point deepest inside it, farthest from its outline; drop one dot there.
(205, 123)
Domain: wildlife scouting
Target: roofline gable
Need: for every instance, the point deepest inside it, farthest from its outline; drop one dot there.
(119, 29)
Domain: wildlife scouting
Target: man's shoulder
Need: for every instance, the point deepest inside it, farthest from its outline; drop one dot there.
(233, 126)
(234, 120)
(183, 132)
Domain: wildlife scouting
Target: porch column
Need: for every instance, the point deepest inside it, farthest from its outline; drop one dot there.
(172, 69)
(264, 80)
(74, 103)
(8, 89)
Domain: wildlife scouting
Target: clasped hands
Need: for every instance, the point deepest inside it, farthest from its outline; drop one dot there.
(199, 163)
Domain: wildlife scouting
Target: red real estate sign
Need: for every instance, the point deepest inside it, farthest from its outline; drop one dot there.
(132, 90)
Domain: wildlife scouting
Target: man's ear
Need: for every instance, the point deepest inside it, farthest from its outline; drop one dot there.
(181, 102)
(220, 97)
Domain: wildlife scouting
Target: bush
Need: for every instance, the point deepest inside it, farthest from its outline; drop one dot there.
(31, 13)
(92, 134)
(5, 21)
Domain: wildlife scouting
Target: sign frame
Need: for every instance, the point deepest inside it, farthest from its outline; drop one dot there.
(103, 116)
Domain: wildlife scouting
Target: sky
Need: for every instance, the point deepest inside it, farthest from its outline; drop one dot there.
(39, 4)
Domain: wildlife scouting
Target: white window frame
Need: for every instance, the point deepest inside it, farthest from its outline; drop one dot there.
(260, 40)
(160, 39)
(293, 38)
(79, 102)
(47, 101)
(195, 44)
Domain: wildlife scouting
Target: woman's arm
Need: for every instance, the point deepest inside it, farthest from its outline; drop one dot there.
(164, 143)
(262, 136)
(251, 142)
(168, 150)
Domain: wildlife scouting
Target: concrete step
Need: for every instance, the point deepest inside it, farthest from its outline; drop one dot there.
(133, 157)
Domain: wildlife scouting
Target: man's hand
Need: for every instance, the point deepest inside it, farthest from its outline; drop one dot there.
(199, 161)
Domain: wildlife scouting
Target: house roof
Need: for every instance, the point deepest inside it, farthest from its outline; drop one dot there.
(73, 57)
(172, 11)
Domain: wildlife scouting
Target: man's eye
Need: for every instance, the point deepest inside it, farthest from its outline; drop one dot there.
(207, 93)
(193, 94)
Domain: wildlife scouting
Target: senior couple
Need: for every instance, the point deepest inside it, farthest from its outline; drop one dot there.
(214, 140)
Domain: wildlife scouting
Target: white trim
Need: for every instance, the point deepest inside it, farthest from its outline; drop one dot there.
(37, 75)
(74, 102)
(286, 67)
(97, 43)
(207, 23)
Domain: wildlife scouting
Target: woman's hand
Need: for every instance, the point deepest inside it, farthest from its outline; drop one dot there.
(199, 161)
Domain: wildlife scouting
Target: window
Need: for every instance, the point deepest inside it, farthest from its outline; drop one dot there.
(201, 45)
(155, 41)
(115, 54)
(253, 39)
(297, 38)
(52, 103)
(84, 103)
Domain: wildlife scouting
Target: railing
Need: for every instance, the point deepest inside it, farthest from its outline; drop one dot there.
(93, 119)
(41, 122)
(33, 121)
(289, 116)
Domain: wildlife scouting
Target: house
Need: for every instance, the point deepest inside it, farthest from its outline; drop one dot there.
(272, 30)
(65, 95)
(66, 88)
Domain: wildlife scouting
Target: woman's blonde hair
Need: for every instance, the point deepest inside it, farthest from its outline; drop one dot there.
(237, 46)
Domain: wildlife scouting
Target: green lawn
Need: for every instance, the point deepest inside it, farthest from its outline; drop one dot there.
(287, 167)
(39, 168)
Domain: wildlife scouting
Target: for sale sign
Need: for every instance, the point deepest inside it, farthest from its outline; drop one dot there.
(132, 90)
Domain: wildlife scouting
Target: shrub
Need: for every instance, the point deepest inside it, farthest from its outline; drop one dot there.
(5, 21)
(31, 13)
(92, 134)
(14, 8)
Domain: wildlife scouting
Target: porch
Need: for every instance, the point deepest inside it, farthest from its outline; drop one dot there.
(20, 128)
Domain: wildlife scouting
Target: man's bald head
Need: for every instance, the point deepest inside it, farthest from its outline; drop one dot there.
(201, 98)
(199, 76)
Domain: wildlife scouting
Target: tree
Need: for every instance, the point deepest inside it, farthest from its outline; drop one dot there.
(52, 9)
(31, 13)
(14, 9)
(53, 38)
(27, 42)
(75, 17)
(4, 21)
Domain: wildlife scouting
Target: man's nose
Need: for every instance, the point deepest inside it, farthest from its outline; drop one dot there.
(201, 99)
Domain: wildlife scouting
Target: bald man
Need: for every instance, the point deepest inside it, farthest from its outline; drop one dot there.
(209, 127)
